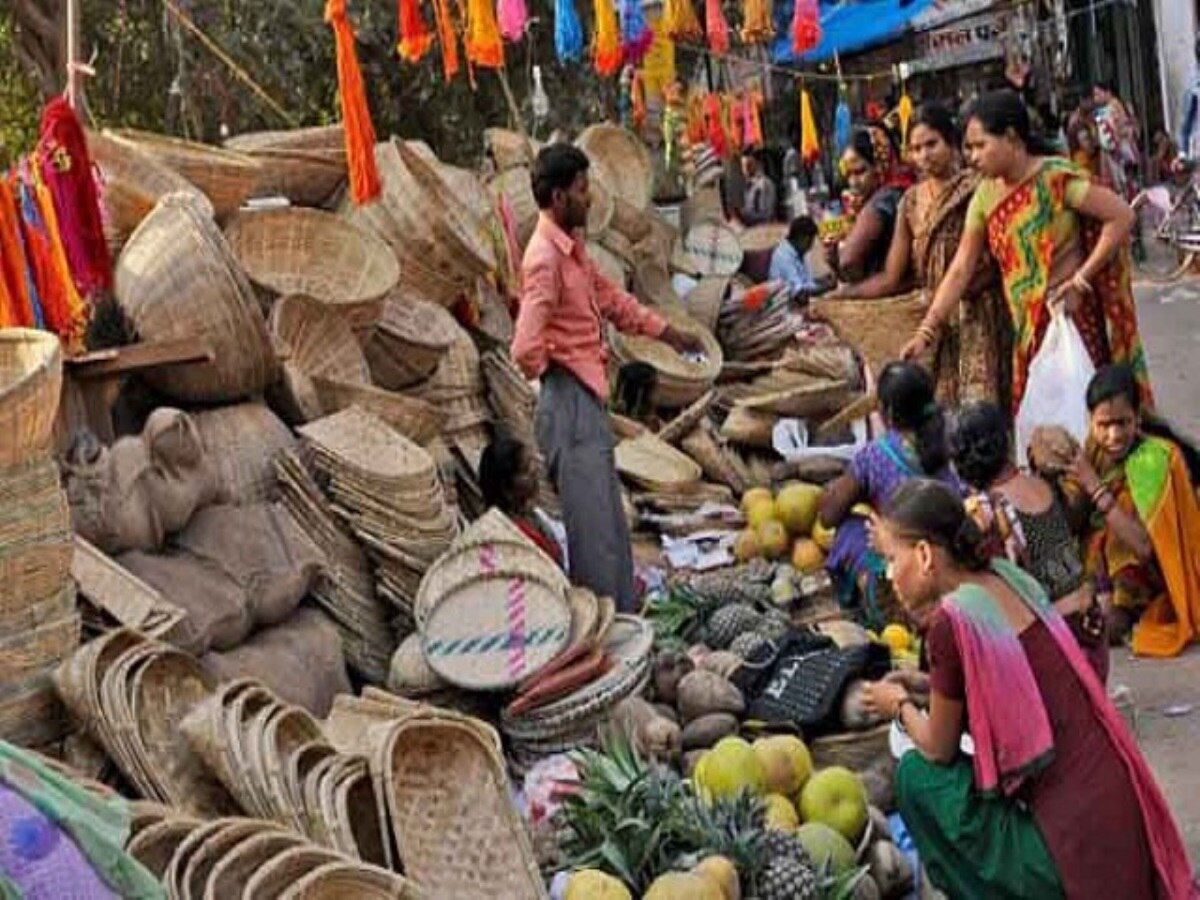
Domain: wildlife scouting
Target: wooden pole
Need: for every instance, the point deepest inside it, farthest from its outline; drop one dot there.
(72, 52)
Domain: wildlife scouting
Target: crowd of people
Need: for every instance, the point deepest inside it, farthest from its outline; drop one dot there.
(1018, 576)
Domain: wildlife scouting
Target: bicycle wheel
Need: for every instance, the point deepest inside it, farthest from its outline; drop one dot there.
(1165, 241)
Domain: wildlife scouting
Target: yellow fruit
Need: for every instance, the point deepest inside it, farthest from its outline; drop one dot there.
(755, 495)
(897, 637)
(683, 886)
(747, 547)
(807, 557)
(836, 797)
(760, 513)
(785, 761)
(780, 815)
(797, 505)
(592, 884)
(720, 871)
(728, 769)
(773, 538)
(862, 509)
(823, 537)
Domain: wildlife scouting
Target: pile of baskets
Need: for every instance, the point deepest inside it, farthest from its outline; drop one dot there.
(177, 279)
(755, 322)
(681, 380)
(387, 490)
(251, 858)
(306, 165)
(130, 693)
(275, 760)
(408, 342)
(345, 589)
(457, 388)
(38, 622)
(493, 609)
(571, 722)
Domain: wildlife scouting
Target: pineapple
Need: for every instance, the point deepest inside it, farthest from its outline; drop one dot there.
(788, 878)
(775, 626)
(750, 583)
(784, 845)
(677, 615)
(747, 642)
(730, 621)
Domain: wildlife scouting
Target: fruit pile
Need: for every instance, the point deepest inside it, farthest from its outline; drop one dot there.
(753, 822)
(785, 525)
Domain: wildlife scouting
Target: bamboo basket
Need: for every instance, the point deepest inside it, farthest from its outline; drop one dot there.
(30, 385)
(622, 161)
(155, 846)
(342, 880)
(230, 876)
(444, 785)
(408, 342)
(313, 340)
(415, 419)
(322, 138)
(226, 177)
(173, 877)
(857, 751)
(651, 462)
(713, 248)
(877, 329)
(306, 251)
(514, 185)
(277, 874)
(23, 654)
(203, 861)
(243, 441)
(510, 149)
(177, 279)
(31, 712)
(304, 177)
(132, 182)
(600, 212)
(35, 540)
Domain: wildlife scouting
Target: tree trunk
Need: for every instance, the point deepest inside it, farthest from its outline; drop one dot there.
(41, 42)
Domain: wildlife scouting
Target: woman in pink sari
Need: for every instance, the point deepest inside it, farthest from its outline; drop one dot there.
(1056, 800)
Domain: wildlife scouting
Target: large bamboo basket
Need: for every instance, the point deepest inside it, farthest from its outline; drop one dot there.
(313, 341)
(226, 177)
(304, 177)
(177, 279)
(132, 183)
(319, 139)
(30, 384)
(877, 329)
(305, 251)
(623, 161)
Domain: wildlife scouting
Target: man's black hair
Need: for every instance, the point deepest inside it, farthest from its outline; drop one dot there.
(555, 169)
(802, 229)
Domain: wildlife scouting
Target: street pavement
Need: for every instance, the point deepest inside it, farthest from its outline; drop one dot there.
(1167, 692)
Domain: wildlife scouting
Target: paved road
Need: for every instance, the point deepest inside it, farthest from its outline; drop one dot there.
(1170, 324)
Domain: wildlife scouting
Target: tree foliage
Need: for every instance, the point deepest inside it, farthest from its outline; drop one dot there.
(155, 74)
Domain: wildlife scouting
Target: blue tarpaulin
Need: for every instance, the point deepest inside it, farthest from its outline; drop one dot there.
(846, 27)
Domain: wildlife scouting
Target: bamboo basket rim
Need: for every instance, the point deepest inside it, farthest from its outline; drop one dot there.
(624, 160)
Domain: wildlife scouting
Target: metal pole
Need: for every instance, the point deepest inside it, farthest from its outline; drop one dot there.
(72, 52)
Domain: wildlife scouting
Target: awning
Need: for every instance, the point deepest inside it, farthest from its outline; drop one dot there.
(847, 27)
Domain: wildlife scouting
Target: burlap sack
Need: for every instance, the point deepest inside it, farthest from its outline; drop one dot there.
(300, 660)
(110, 502)
(217, 610)
(261, 549)
(182, 478)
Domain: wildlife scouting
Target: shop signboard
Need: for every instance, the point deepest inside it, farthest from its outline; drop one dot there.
(962, 41)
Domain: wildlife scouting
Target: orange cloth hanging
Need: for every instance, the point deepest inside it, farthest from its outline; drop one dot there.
(484, 45)
(607, 56)
(716, 26)
(810, 141)
(679, 18)
(757, 24)
(754, 133)
(65, 311)
(446, 38)
(731, 117)
(356, 114)
(17, 311)
(414, 37)
(637, 96)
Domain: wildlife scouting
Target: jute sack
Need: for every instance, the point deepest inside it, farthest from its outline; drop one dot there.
(217, 611)
(262, 550)
(300, 660)
(182, 477)
(110, 502)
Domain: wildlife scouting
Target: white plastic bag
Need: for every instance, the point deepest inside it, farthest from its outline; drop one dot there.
(1055, 392)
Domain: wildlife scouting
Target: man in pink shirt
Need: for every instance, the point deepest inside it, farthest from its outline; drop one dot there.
(559, 339)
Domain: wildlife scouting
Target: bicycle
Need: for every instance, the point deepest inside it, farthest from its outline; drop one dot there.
(1173, 221)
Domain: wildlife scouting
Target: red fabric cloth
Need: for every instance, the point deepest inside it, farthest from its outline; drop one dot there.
(1085, 782)
(565, 301)
(545, 543)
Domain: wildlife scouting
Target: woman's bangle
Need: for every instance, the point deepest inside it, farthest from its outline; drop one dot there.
(928, 331)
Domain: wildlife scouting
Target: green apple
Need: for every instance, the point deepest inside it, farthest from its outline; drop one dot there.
(836, 797)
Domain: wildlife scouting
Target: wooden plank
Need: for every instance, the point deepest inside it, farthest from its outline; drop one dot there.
(139, 357)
